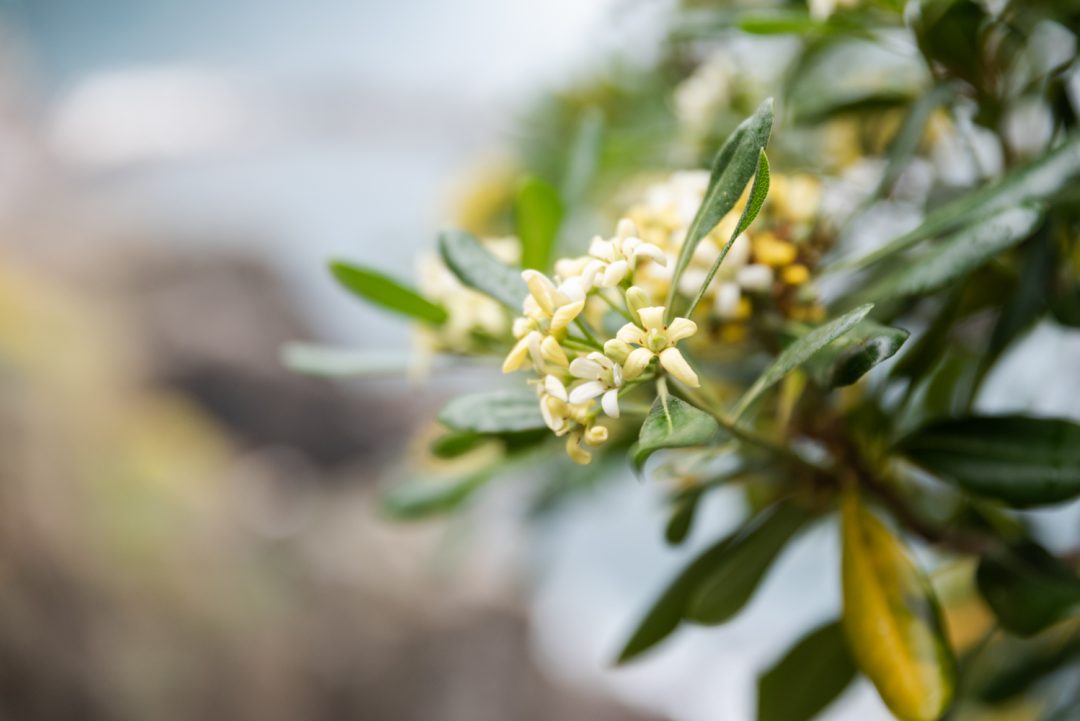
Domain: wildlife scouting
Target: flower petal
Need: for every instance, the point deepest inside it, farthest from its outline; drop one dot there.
(586, 368)
(757, 277)
(652, 317)
(630, 333)
(577, 454)
(614, 274)
(727, 301)
(637, 362)
(517, 355)
(586, 391)
(676, 365)
(617, 350)
(540, 288)
(679, 329)
(554, 387)
(648, 250)
(565, 315)
(551, 351)
(610, 403)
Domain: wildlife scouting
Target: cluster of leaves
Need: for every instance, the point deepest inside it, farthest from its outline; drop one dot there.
(904, 455)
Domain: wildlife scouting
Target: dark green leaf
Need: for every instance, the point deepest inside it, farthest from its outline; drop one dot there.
(850, 357)
(493, 412)
(1019, 460)
(758, 191)
(667, 612)
(955, 256)
(384, 291)
(682, 517)
(417, 499)
(734, 165)
(1066, 307)
(1027, 588)
(538, 213)
(731, 581)
(810, 675)
(798, 353)
(1033, 182)
(1009, 666)
(673, 423)
(476, 267)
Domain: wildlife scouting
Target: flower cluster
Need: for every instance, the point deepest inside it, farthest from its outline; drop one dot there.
(581, 377)
(768, 265)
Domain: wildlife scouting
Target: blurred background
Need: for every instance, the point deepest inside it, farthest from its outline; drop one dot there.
(188, 529)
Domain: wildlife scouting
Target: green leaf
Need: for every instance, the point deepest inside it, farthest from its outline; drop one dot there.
(1019, 460)
(780, 23)
(682, 517)
(493, 412)
(892, 620)
(384, 291)
(758, 191)
(1027, 588)
(730, 582)
(849, 74)
(477, 268)
(811, 674)
(455, 444)
(538, 213)
(734, 165)
(798, 353)
(906, 141)
(667, 611)
(1009, 666)
(955, 256)
(850, 357)
(326, 361)
(1033, 182)
(673, 423)
(418, 499)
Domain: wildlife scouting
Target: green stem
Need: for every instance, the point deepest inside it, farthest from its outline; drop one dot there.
(588, 334)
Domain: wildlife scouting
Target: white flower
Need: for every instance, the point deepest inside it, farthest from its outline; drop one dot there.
(621, 254)
(548, 310)
(654, 339)
(600, 376)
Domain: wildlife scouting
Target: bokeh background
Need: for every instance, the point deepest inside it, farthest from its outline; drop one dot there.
(190, 531)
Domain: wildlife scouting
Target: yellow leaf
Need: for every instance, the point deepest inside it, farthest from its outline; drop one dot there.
(892, 620)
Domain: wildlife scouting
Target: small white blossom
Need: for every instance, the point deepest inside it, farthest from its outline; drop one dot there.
(600, 376)
(654, 339)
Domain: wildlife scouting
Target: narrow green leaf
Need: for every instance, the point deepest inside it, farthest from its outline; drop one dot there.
(673, 423)
(892, 620)
(419, 499)
(667, 611)
(814, 672)
(1033, 182)
(758, 191)
(1027, 588)
(476, 267)
(780, 23)
(955, 256)
(731, 581)
(493, 412)
(682, 517)
(584, 156)
(538, 212)
(798, 353)
(850, 357)
(906, 141)
(384, 291)
(326, 361)
(1019, 460)
(734, 165)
